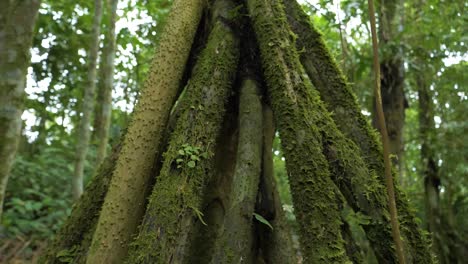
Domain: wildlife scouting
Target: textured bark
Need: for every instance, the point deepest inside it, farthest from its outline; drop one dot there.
(334, 90)
(76, 233)
(236, 243)
(83, 131)
(218, 191)
(17, 19)
(176, 201)
(276, 244)
(297, 110)
(104, 98)
(125, 201)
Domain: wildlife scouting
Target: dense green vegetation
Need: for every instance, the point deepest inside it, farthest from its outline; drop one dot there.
(431, 51)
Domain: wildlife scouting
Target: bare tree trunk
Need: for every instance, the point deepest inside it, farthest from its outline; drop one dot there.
(125, 201)
(17, 19)
(83, 131)
(104, 99)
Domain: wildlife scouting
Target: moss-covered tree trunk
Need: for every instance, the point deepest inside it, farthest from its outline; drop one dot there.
(125, 201)
(297, 112)
(17, 20)
(339, 99)
(175, 203)
(236, 243)
(84, 133)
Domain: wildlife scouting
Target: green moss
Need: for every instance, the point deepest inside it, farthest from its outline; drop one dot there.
(177, 195)
(297, 115)
(335, 91)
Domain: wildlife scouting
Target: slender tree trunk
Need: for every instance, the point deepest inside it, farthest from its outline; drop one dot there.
(276, 244)
(334, 90)
(188, 164)
(392, 78)
(125, 201)
(430, 167)
(104, 98)
(83, 131)
(236, 243)
(17, 19)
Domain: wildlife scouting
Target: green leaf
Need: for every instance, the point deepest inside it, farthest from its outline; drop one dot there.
(262, 220)
(181, 152)
(191, 164)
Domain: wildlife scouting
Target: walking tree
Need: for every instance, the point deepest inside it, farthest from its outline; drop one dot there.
(192, 178)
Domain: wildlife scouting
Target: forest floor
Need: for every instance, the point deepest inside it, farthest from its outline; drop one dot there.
(20, 251)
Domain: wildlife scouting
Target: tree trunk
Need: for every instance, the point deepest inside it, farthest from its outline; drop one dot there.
(392, 78)
(334, 90)
(297, 111)
(17, 19)
(125, 201)
(83, 131)
(176, 201)
(430, 167)
(276, 244)
(236, 243)
(104, 98)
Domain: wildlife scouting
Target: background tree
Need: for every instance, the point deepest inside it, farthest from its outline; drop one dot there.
(106, 82)
(84, 133)
(17, 20)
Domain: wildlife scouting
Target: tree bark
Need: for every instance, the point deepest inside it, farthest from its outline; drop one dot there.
(17, 20)
(104, 98)
(297, 110)
(176, 201)
(236, 243)
(276, 244)
(219, 189)
(83, 131)
(335, 91)
(125, 201)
